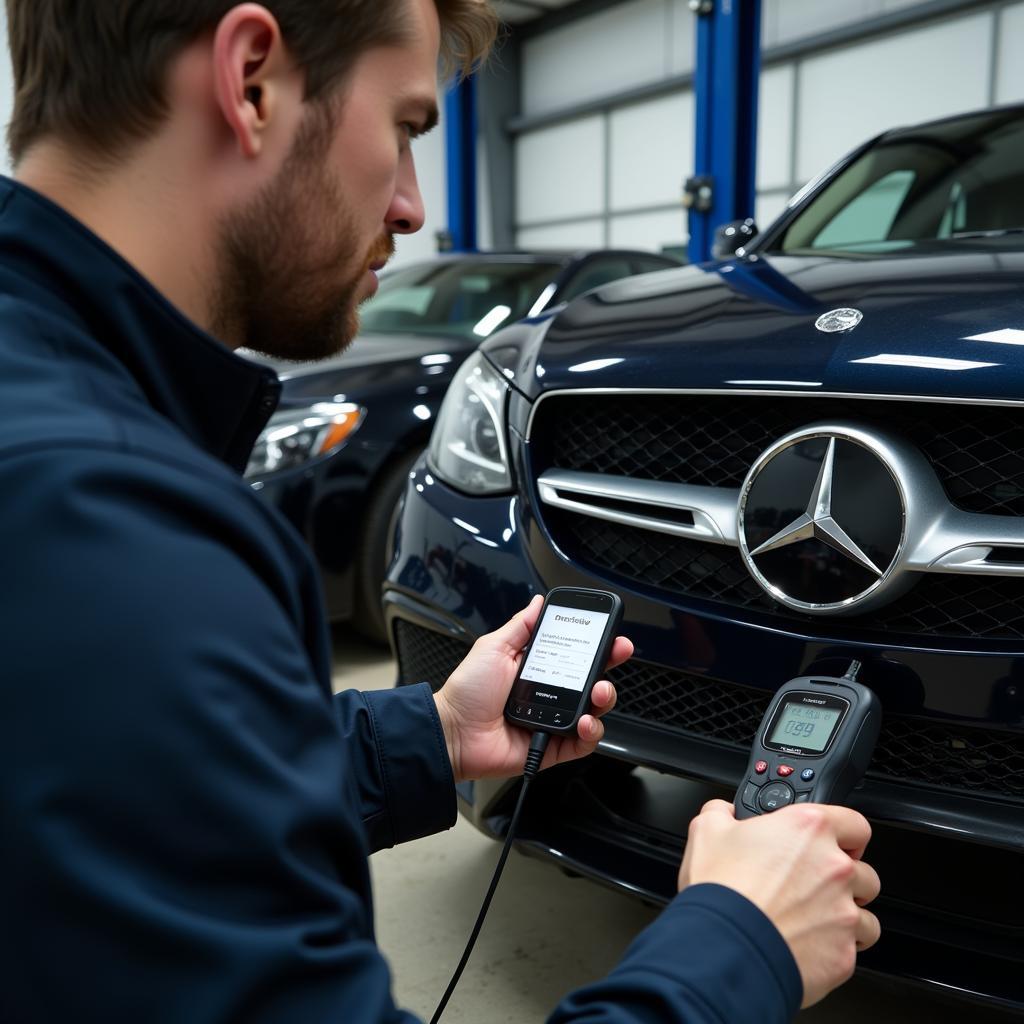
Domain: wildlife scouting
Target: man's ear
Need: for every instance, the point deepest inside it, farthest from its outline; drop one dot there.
(248, 56)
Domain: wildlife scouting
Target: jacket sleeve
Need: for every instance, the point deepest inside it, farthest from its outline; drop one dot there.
(712, 957)
(183, 840)
(399, 761)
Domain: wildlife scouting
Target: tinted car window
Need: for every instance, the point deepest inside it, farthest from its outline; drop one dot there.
(596, 273)
(469, 299)
(937, 183)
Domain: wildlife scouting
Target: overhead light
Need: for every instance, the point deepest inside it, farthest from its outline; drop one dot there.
(422, 412)
(492, 321)
(783, 383)
(594, 364)
(437, 360)
(543, 300)
(1006, 336)
(923, 362)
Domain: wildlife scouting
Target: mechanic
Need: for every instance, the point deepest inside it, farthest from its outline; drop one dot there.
(187, 811)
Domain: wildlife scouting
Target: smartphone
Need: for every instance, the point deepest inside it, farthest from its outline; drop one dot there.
(566, 655)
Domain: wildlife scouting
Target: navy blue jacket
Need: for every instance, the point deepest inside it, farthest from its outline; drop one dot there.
(186, 811)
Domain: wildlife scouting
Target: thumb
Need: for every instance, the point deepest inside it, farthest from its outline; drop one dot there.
(516, 633)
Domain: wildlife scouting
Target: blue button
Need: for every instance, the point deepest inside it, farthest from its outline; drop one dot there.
(807, 774)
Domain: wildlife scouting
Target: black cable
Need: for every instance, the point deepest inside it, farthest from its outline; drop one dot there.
(538, 744)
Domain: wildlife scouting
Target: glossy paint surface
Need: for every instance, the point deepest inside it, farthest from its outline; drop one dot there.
(749, 324)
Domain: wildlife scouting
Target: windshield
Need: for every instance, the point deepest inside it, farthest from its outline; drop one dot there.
(466, 298)
(958, 179)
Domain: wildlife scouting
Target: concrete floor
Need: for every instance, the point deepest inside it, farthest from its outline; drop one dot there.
(545, 933)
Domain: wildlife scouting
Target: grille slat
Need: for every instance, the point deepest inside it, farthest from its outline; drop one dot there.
(910, 749)
(712, 440)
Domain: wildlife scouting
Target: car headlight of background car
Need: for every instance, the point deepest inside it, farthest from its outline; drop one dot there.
(294, 436)
(468, 448)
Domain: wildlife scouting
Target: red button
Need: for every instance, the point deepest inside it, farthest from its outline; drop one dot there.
(761, 767)
(784, 770)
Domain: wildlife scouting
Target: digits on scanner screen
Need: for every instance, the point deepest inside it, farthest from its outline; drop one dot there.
(809, 727)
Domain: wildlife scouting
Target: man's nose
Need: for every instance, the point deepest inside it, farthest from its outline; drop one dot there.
(406, 215)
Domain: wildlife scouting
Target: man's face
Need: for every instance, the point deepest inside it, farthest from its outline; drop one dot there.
(301, 256)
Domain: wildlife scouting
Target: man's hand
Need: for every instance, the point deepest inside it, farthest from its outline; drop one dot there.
(802, 867)
(472, 703)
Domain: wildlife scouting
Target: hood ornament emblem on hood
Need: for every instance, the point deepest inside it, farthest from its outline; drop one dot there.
(836, 320)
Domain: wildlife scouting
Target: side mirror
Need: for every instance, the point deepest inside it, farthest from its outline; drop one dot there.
(732, 236)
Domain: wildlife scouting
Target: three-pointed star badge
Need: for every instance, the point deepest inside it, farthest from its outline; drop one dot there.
(817, 522)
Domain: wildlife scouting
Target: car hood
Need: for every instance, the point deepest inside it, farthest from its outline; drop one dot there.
(750, 323)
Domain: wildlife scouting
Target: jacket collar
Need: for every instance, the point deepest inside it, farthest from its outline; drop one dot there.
(218, 399)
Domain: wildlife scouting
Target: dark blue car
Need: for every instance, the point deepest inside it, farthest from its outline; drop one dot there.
(336, 455)
(808, 452)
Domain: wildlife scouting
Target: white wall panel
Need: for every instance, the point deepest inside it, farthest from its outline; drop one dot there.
(560, 171)
(429, 153)
(775, 127)
(484, 215)
(1010, 67)
(587, 234)
(849, 95)
(768, 206)
(651, 231)
(682, 36)
(651, 151)
(6, 94)
(621, 47)
(784, 21)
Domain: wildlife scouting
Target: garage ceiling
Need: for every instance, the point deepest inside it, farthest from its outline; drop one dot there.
(517, 12)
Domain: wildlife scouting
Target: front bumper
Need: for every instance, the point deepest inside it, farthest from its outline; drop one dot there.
(621, 817)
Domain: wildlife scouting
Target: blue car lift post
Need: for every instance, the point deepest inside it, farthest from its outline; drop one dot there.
(460, 141)
(726, 89)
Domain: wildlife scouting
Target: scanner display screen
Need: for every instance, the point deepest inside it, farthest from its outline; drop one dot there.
(564, 646)
(799, 725)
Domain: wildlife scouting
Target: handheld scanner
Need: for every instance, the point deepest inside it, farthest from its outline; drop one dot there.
(814, 744)
(566, 655)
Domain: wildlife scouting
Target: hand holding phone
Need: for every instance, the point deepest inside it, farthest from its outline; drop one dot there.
(565, 657)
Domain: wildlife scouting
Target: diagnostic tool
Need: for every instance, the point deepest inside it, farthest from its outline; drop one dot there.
(814, 744)
(567, 654)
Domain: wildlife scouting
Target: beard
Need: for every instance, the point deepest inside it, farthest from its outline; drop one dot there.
(291, 281)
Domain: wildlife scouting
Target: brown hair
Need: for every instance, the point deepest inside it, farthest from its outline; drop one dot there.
(95, 71)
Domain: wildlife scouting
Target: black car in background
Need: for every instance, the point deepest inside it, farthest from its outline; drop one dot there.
(335, 457)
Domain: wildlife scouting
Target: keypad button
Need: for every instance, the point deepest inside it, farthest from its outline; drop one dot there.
(784, 770)
(774, 796)
(749, 797)
(761, 767)
(807, 774)
(803, 798)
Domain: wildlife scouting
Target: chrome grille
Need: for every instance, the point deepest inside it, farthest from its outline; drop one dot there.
(712, 440)
(946, 607)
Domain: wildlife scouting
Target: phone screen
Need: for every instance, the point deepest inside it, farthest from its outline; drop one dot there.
(559, 663)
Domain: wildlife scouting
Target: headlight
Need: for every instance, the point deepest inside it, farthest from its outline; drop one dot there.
(468, 447)
(294, 436)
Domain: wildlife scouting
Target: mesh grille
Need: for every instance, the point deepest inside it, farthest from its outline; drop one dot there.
(426, 656)
(911, 750)
(939, 606)
(714, 439)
